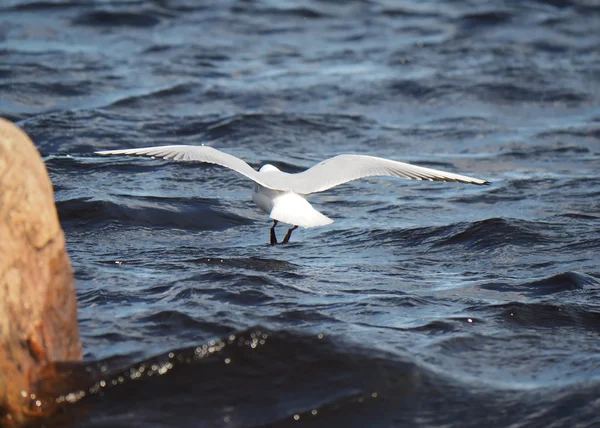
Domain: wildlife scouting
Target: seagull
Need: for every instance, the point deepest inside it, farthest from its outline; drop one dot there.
(283, 195)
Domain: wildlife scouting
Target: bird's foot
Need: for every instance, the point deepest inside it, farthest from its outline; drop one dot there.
(288, 235)
(273, 236)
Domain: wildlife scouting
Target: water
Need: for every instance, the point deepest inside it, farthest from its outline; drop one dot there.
(424, 304)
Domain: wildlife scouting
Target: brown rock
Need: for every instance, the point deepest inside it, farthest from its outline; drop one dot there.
(38, 307)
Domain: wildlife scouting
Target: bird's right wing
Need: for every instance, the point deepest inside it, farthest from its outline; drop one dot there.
(193, 153)
(344, 168)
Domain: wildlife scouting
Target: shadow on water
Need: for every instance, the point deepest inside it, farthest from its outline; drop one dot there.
(250, 263)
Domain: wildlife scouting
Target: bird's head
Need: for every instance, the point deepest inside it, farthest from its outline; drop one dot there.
(268, 168)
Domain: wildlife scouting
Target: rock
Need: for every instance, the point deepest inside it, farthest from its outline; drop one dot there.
(38, 307)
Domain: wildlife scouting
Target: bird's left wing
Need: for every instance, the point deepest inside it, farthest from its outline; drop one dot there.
(193, 153)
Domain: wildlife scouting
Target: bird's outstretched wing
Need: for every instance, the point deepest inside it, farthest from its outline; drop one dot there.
(193, 153)
(344, 168)
(325, 175)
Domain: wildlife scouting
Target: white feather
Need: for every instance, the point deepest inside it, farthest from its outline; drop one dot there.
(293, 209)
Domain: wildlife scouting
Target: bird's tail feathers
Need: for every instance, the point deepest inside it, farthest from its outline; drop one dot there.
(293, 209)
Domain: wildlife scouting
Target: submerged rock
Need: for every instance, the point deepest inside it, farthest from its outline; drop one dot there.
(38, 307)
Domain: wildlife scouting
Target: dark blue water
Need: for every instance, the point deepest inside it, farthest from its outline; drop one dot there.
(424, 304)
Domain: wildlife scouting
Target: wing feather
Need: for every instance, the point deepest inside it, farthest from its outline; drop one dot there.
(193, 153)
(344, 168)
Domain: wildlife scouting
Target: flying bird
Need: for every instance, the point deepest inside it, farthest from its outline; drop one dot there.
(283, 195)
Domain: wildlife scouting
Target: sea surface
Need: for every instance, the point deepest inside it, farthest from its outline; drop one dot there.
(423, 305)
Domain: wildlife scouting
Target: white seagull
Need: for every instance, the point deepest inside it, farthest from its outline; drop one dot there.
(283, 195)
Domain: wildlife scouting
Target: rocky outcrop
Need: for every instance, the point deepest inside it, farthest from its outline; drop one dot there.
(38, 308)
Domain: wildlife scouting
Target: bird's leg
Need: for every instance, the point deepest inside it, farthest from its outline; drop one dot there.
(288, 235)
(273, 237)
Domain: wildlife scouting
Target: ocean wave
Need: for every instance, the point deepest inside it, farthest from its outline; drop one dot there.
(188, 213)
(314, 379)
(492, 233)
(567, 281)
(545, 314)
